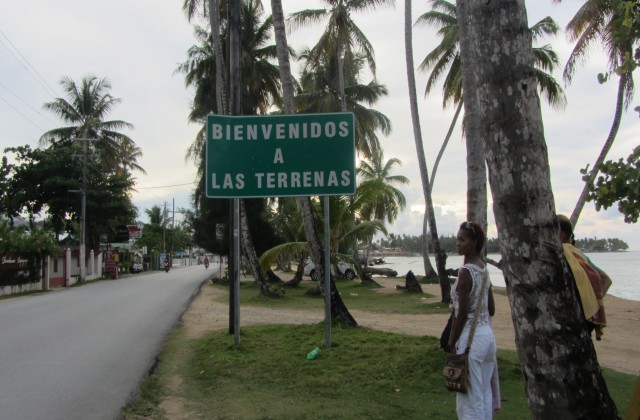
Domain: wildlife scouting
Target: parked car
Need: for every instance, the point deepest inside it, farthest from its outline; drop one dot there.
(347, 269)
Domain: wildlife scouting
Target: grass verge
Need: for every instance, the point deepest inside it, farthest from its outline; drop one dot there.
(366, 374)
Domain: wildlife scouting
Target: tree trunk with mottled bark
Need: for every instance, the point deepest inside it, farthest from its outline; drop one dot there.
(250, 251)
(339, 311)
(221, 76)
(561, 371)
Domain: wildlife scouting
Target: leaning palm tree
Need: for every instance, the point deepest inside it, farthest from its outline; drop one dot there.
(429, 215)
(444, 61)
(85, 110)
(598, 20)
(342, 39)
(339, 310)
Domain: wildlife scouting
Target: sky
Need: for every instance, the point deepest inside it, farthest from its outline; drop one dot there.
(138, 44)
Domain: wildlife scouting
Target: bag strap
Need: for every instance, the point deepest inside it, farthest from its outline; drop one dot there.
(474, 323)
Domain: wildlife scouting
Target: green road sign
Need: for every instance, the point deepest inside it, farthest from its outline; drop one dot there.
(280, 156)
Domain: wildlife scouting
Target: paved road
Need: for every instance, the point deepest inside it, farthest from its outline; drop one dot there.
(80, 353)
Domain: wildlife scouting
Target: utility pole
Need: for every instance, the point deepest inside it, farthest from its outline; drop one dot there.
(83, 210)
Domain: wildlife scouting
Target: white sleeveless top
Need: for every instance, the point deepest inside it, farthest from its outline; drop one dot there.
(477, 275)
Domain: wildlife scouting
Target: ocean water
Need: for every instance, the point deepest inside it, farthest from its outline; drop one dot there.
(622, 267)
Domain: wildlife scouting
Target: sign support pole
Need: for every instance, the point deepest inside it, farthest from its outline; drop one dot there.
(236, 270)
(327, 274)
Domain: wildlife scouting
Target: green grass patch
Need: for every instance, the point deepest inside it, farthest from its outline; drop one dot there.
(366, 374)
(353, 293)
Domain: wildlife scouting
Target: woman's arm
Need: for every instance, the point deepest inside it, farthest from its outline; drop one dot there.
(464, 290)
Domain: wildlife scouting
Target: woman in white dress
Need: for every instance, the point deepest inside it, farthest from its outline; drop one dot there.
(477, 403)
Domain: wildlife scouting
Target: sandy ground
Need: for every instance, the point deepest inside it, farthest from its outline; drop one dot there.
(619, 348)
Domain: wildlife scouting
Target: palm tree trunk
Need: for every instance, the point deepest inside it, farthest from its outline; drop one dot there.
(445, 286)
(426, 261)
(339, 311)
(221, 77)
(250, 251)
(343, 101)
(553, 344)
(445, 143)
(476, 169)
(590, 178)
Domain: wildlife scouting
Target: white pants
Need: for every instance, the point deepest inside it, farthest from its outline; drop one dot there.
(477, 403)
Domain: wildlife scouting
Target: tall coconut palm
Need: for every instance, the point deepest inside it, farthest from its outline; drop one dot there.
(444, 61)
(260, 91)
(429, 215)
(212, 10)
(342, 38)
(339, 310)
(598, 20)
(85, 110)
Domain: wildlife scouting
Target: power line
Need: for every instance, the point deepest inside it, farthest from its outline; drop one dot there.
(24, 102)
(21, 114)
(41, 81)
(165, 186)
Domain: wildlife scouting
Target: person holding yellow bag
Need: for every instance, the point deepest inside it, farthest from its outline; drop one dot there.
(591, 281)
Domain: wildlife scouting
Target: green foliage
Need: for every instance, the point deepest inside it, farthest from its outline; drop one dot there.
(158, 236)
(619, 181)
(31, 245)
(626, 31)
(22, 241)
(49, 180)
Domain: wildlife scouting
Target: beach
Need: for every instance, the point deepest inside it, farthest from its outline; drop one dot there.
(619, 348)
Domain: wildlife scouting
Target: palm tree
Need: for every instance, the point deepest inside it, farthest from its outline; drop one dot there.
(429, 215)
(598, 20)
(212, 10)
(339, 311)
(342, 38)
(318, 95)
(446, 55)
(383, 200)
(376, 179)
(85, 109)
(555, 347)
(260, 91)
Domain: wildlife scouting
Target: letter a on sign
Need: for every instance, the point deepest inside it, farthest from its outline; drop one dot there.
(278, 156)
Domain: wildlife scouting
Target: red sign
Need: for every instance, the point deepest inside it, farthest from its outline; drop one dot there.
(134, 231)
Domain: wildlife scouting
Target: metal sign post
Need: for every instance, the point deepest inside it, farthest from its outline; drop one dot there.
(327, 275)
